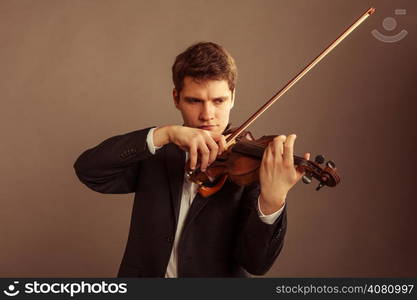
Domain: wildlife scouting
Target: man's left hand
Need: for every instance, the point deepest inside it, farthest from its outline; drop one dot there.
(278, 174)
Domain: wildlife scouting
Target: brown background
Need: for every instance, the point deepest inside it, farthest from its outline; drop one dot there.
(73, 73)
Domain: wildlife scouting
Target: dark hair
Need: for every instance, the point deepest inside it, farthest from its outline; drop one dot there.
(202, 61)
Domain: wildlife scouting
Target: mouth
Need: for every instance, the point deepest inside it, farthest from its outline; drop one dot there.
(208, 127)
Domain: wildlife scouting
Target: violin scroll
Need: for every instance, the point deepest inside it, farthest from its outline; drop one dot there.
(327, 175)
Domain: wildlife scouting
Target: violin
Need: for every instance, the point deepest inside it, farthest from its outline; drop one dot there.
(241, 161)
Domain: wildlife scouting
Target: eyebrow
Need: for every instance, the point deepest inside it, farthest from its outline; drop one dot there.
(195, 98)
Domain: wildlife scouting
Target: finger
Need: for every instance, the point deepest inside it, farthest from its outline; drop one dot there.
(222, 145)
(211, 140)
(278, 147)
(193, 156)
(288, 155)
(267, 157)
(307, 156)
(213, 148)
(214, 136)
(204, 155)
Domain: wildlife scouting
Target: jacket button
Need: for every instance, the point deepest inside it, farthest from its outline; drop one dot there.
(169, 239)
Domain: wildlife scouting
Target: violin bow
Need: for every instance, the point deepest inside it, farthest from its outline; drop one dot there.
(230, 140)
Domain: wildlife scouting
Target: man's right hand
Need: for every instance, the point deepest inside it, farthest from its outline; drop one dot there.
(202, 146)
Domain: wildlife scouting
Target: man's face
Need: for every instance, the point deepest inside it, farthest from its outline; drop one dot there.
(205, 104)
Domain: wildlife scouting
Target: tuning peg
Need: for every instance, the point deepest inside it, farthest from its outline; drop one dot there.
(320, 186)
(307, 179)
(319, 159)
(331, 164)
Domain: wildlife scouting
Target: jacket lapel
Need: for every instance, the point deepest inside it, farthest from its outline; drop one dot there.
(175, 165)
(198, 204)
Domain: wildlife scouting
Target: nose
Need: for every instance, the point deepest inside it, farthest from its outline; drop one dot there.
(207, 112)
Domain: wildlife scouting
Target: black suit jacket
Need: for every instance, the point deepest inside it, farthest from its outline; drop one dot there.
(222, 235)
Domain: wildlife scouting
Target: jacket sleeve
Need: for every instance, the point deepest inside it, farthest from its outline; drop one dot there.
(259, 243)
(112, 167)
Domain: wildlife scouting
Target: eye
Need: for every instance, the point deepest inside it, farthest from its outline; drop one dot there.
(219, 101)
(193, 100)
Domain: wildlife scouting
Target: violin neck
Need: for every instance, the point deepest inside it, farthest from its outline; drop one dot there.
(257, 151)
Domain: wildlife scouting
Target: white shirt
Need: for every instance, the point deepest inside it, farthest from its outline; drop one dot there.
(189, 190)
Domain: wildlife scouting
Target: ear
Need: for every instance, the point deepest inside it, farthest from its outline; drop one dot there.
(176, 97)
(233, 98)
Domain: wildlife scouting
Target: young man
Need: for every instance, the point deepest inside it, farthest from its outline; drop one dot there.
(175, 232)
